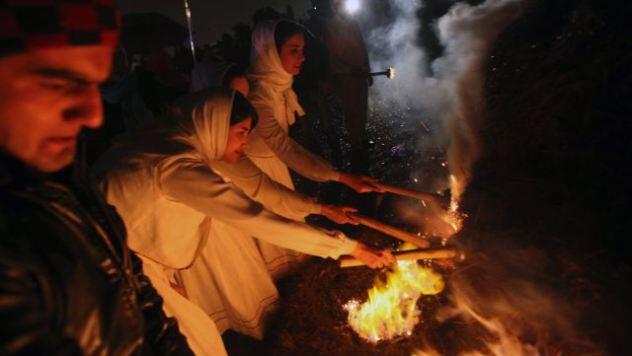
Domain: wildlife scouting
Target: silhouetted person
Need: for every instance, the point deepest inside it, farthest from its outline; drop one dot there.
(348, 64)
(159, 83)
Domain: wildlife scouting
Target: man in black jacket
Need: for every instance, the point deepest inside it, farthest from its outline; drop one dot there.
(68, 283)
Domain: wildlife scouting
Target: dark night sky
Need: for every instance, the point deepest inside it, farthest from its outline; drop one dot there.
(211, 18)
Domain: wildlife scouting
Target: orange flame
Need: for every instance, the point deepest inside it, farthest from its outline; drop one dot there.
(453, 217)
(391, 309)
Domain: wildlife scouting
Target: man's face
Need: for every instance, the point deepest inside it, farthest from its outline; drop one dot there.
(46, 97)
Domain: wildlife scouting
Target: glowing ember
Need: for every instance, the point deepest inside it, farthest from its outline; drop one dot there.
(391, 309)
(453, 216)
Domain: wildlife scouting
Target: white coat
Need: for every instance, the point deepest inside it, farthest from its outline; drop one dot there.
(270, 148)
(163, 184)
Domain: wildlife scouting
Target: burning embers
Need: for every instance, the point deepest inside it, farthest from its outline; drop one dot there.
(453, 216)
(391, 309)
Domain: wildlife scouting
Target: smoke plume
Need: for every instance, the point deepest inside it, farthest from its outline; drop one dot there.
(446, 93)
(467, 33)
(502, 289)
(414, 94)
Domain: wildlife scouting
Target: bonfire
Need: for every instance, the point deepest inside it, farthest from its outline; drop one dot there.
(391, 309)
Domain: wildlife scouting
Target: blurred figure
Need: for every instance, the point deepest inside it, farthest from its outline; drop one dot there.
(236, 78)
(158, 82)
(266, 13)
(116, 92)
(212, 72)
(349, 73)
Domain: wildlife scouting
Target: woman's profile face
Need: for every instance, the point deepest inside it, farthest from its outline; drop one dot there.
(291, 53)
(237, 140)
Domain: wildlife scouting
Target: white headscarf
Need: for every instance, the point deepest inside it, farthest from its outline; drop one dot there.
(159, 228)
(267, 73)
(207, 129)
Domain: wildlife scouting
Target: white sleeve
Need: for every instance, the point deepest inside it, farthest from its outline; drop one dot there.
(191, 182)
(291, 153)
(274, 196)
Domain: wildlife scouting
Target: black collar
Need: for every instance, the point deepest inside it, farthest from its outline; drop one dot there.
(14, 172)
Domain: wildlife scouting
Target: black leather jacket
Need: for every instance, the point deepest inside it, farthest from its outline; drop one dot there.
(68, 283)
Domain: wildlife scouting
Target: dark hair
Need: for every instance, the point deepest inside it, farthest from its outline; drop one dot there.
(234, 71)
(266, 14)
(242, 109)
(284, 30)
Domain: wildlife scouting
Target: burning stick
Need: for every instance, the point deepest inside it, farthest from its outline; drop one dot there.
(389, 73)
(392, 231)
(425, 196)
(431, 254)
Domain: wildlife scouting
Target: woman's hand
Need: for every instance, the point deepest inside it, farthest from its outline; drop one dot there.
(371, 257)
(338, 214)
(360, 184)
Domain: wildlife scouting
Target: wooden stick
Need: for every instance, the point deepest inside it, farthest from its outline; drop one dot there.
(391, 230)
(389, 73)
(414, 255)
(428, 197)
(375, 74)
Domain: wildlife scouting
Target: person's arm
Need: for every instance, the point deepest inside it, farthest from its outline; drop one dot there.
(271, 134)
(193, 183)
(276, 197)
(259, 187)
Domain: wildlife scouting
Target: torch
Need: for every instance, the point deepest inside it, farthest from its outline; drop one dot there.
(389, 73)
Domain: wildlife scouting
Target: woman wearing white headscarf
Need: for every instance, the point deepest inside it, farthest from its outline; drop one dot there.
(173, 203)
(276, 56)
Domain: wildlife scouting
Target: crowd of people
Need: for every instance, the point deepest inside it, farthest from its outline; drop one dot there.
(174, 222)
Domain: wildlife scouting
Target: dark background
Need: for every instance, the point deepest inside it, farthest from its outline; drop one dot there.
(211, 18)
